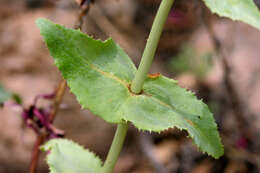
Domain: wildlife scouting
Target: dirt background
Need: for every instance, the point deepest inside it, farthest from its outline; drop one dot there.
(27, 69)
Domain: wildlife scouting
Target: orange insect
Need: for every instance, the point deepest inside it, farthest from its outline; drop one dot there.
(153, 76)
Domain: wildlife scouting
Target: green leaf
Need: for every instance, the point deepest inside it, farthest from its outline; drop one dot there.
(4, 94)
(68, 157)
(243, 10)
(97, 72)
(100, 73)
(172, 105)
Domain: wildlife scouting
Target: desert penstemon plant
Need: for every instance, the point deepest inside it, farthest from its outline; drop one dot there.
(105, 81)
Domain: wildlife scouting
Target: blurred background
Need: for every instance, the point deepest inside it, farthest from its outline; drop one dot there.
(216, 58)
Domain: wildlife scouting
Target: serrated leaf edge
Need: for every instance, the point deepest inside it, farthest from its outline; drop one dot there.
(44, 149)
(234, 18)
(191, 94)
(126, 86)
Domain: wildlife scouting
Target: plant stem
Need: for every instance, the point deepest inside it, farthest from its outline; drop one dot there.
(115, 148)
(42, 137)
(151, 45)
(138, 81)
(58, 99)
(36, 153)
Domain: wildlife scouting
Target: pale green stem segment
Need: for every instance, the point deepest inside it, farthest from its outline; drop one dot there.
(151, 45)
(138, 81)
(115, 148)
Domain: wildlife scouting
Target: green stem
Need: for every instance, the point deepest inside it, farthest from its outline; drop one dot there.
(151, 45)
(115, 148)
(138, 81)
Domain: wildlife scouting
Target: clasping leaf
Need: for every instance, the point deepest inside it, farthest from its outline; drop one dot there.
(99, 73)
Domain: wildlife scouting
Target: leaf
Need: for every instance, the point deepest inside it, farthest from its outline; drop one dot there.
(243, 10)
(100, 73)
(174, 106)
(4, 94)
(66, 156)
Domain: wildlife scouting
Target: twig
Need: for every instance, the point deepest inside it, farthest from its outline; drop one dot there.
(109, 29)
(84, 9)
(236, 103)
(42, 136)
(58, 98)
(36, 153)
(85, 5)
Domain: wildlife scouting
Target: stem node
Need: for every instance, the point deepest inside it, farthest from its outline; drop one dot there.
(137, 84)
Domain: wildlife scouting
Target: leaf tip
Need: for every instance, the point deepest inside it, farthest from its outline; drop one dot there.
(42, 22)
